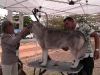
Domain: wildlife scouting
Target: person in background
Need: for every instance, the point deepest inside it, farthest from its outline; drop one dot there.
(9, 42)
(88, 60)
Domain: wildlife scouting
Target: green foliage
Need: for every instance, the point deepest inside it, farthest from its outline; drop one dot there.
(1, 19)
(27, 20)
(90, 20)
(16, 18)
(80, 19)
(56, 22)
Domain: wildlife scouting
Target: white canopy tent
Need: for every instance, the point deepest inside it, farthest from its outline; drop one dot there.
(53, 7)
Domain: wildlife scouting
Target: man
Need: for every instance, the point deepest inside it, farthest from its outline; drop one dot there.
(88, 60)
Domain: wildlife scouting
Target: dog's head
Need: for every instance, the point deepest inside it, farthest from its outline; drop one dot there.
(32, 24)
(35, 25)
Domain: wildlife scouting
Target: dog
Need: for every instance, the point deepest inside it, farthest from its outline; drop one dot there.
(52, 38)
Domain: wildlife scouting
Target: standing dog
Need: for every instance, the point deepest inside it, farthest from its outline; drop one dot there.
(52, 38)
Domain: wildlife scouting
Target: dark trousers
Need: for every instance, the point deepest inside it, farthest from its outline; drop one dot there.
(88, 66)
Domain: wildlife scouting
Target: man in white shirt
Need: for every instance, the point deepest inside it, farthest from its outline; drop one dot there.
(90, 56)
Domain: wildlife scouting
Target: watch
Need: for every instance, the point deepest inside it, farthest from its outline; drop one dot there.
(97, 49)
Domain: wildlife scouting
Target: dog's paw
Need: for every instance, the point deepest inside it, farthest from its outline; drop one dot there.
(72, 63)
(40, 61)
(73, 66)
(43, 64)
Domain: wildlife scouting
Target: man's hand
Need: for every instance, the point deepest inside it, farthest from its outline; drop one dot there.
(96, 55)
(65, 48)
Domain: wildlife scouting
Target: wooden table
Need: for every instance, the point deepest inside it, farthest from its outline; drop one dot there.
(55, 66)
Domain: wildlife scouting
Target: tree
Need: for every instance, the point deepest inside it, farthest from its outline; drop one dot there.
(16, 18)
(55, 22)
(91, 20)
(1, 17)
(27, 20)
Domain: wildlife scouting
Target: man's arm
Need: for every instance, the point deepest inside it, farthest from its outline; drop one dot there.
(96, 41)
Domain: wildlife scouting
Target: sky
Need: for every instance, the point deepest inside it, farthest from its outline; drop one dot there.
(3, 12)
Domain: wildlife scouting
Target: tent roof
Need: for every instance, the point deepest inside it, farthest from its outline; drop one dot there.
(53, 7)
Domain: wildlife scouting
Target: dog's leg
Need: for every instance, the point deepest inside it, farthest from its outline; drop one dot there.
(75, 63)
(79, 56)
(74, 52)
(41, 60)
(44, 57)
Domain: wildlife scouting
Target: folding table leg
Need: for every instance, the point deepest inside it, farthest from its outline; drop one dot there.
(73, 74)
(61, 73)
(39, 71)
(42, 72)
(34, 71)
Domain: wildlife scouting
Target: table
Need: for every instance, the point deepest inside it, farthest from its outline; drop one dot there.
(55, 66)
